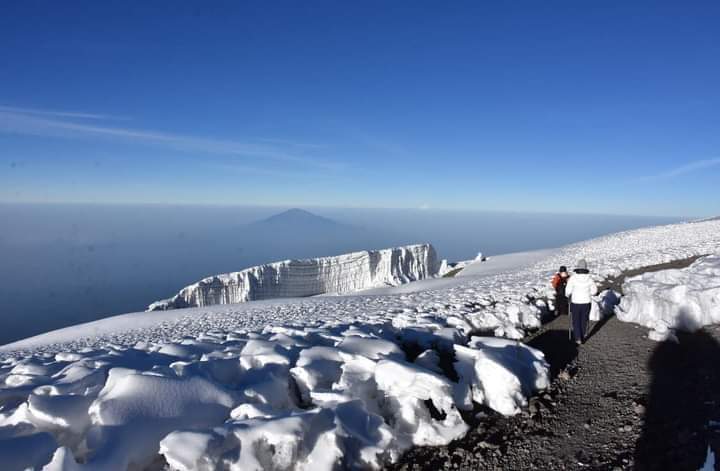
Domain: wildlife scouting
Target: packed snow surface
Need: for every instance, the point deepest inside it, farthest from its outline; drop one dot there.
(333, 396)
(297, 278)
(679, 299)
(321, 383)
(495, 265)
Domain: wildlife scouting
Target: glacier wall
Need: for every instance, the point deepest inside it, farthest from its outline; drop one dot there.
(298, 278)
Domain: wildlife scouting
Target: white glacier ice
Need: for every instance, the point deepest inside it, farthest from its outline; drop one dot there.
(679, 299)
(299, 383)
(310, 277)
(603, 304)
(499, 373)
(323, 397)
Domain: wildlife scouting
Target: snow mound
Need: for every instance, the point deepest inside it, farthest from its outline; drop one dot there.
(322, 382)
(678, 299)
(342, 396)
(603, 305)
(310, 277)
(499, 373)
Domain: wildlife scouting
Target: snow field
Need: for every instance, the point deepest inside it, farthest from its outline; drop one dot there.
(348, 396)
(347, 381)
(310, 277)
(482, 302)
(680, 299)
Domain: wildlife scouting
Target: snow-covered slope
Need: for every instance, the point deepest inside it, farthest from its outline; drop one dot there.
(323, 382)
(298, 278)
(684, 299)
(496, 265)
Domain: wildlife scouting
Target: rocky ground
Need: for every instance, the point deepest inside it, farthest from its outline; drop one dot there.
(620, 401)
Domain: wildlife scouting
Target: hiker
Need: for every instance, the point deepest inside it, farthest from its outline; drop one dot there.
(580, 289)
(559, 281)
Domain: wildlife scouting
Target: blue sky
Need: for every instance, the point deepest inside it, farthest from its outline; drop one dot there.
(607, 107)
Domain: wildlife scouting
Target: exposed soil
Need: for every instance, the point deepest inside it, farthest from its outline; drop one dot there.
(452, 273)
(620, 401)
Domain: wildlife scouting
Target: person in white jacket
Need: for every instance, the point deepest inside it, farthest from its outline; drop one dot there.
(580, 289)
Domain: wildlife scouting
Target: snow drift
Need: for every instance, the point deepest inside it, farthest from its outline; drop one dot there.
(345, 396)
(309, 277)
(678, 299)
(323, 382)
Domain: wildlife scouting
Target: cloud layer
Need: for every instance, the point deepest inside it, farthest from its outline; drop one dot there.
(682, 170)
(73, 125)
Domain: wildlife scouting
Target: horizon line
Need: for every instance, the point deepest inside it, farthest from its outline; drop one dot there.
(287, 206)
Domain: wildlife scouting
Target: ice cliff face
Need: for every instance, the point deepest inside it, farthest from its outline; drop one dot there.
(297, 278)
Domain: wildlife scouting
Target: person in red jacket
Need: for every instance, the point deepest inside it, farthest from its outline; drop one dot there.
(559, 281)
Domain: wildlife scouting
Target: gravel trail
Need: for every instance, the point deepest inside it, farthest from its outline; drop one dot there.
(620, 401)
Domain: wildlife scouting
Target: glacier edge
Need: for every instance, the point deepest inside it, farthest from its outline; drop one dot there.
(309, 277)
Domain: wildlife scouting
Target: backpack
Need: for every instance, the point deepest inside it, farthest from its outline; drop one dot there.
(558, 284)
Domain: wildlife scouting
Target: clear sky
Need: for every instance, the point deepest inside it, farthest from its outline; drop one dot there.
(578, 106)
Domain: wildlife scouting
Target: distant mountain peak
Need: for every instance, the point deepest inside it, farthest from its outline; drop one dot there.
(295, 212)
(297, 216)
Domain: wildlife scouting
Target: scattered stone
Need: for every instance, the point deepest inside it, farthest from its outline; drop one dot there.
(484, 444)
(600, 414)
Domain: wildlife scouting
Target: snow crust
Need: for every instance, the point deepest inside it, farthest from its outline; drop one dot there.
(603, 305)
(499, 373)
(494, 265)
(322, 383)
(680, 299)
(310, 277)
(347, 396)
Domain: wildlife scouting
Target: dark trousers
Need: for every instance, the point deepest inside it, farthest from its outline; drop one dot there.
(580, 317)
(561, 305)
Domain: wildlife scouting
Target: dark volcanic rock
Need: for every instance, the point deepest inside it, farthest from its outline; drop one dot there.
(618, 402)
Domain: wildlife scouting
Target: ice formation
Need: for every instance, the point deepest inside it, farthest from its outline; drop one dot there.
(680, 299)
(284, 398)
(321, 383)
(309, 277)
(603, 304)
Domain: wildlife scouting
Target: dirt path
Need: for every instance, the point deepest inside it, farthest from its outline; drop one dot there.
(616, 283)
(620, 401)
